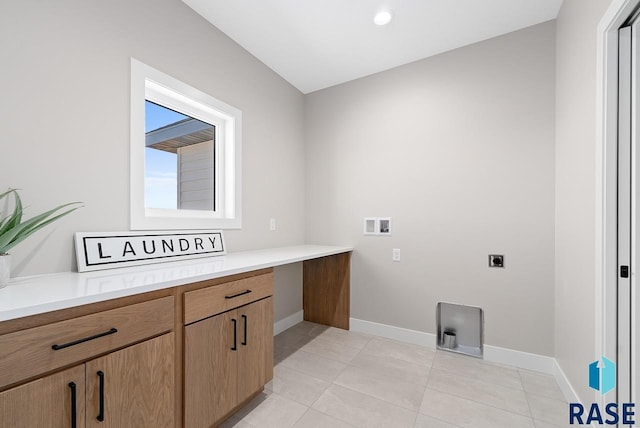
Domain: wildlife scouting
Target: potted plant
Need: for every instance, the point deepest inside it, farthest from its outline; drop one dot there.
(14, 230)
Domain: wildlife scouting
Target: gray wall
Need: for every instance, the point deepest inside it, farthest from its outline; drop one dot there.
(65, 120)
(575, 192)
(459, 150)
(65, 109)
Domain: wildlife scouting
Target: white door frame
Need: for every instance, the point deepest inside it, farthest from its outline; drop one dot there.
(606, 268)
(627, 41)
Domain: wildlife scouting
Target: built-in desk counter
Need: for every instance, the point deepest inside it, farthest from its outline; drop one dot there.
(194, 332)
(27, 296)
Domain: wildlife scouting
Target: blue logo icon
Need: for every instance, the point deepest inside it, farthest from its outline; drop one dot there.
(602, 375)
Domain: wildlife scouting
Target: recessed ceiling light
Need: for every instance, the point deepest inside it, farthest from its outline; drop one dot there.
(383, 17)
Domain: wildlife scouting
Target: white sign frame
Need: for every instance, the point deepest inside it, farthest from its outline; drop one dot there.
(111, 250)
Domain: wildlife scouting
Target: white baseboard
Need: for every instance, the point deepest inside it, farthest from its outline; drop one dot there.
(396, 333)
(495, 354)
(565, 386)
(522, 360)
(288, 322)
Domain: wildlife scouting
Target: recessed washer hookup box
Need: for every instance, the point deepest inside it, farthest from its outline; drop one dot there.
(460, 328)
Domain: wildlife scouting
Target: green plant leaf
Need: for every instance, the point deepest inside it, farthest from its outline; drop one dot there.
(17, 210)
(14, 231)
(2, 223)
(29, 227)
(5, 218)
(2, 195)
(16, 216)
(33, 222)
(41, 220)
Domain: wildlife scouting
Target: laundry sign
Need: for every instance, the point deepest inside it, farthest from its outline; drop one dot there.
(120, 249)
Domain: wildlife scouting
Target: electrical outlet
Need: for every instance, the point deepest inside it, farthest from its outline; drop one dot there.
(396, 254)
(272, 224)
(496, 260)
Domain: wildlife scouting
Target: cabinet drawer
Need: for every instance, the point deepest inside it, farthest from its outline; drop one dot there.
(31, 352)
(203, 303)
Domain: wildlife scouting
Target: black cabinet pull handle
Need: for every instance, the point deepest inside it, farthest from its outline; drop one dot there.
(86, 339)
(101, 393)
(235, 335)
(238, 295)
(244, 342)
(74, 415)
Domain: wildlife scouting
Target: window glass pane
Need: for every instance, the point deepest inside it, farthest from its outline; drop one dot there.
(185, 155)
(179, 160)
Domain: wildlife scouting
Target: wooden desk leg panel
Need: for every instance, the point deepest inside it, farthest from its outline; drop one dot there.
(326, 290)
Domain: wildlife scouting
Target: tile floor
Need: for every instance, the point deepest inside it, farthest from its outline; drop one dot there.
(330, 378)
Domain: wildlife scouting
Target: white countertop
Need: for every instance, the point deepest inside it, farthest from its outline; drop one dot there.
(44, 293)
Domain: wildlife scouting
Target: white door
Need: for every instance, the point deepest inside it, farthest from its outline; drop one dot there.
(628, 233)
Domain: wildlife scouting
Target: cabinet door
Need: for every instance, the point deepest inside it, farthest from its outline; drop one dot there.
(46, 402)
(133, 387)
(210, 369)
(255, 357)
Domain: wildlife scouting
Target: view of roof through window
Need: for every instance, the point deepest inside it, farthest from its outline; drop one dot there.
(167, 133)
(157, 116)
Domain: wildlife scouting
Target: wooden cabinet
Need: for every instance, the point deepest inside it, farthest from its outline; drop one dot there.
(55, 401)
(205, 302)
(211, 367)
(109, 385)
(162, 358)
(255, 353)
(228, 357)
(132, 387)
(61, 344)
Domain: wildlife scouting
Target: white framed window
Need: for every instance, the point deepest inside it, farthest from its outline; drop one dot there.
(185, 149)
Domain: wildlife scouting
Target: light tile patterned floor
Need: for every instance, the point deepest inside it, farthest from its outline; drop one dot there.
(331, 378)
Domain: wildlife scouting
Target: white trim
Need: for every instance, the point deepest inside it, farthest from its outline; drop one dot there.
(606, 177)
(149, 83)
(563, 382)
(635, 124)
(495, 354)
(520, 359)
(288, 322)
(391, 332)
(606, 128)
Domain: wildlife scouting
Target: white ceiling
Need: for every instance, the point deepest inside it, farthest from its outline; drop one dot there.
(315, 44)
